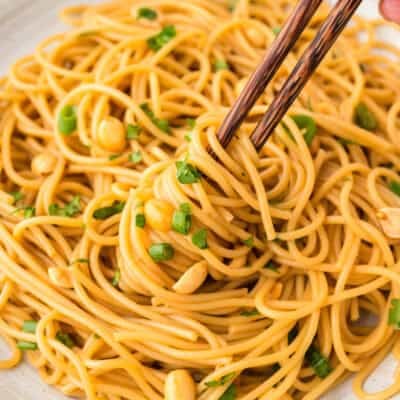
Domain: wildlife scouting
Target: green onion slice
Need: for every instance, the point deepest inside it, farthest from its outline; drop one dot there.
(199, 239)
(187, 173)
(162, 38)
(29, 326)
(364, 118)
(67, 120)
(147, 13)
(161, 252)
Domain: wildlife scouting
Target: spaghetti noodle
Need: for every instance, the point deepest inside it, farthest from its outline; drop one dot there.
(128, 252)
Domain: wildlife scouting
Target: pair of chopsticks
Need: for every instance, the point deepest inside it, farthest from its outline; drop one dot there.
(309, 61)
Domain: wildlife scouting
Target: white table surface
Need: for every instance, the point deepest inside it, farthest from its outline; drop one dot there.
(23, 23)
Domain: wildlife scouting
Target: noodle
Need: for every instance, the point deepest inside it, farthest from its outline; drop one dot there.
(128, 251)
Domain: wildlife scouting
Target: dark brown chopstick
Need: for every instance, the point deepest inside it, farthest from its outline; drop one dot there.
(309, 61)
(272, 60)
(307, 64)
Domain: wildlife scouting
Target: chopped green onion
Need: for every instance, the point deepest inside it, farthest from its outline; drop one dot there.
(115, 156)
(394, 314)
(29, 212)
(29, 326)
(161, 124)
(106, 212)
(318, 362)
(345, 142)
(116, 278)
(186, 208)
(220, 65)
(67, 120)
(188, 137)
(307, 123)
(182, 219)
(136, 157)
(26, 346)
(364, 118)
(230, 393)
(81, 260)
(250, 313)
(191, 122)
(395, 187)
(133, 131)
(271, 265)
(276, 30)
(187, 173)
(17, 196)
(66, 339)
(140, 220)
(199, 239)
(161, 252)
(220, 382)
(249, 242)
(70, 209)
(147, 13)
(158, 41)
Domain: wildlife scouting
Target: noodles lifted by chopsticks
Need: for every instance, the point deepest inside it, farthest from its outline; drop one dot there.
(128, 252)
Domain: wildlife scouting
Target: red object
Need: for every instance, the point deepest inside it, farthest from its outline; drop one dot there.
(390, 9)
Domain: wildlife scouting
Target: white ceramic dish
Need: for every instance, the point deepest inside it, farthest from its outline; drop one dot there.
(23, 23)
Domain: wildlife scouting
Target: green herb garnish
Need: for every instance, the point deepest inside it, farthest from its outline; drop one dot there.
(191, 123)
(161, 124)
(161, 252)
(17, 196)
(106, 212)
(116, 278)
(307, 123)
(345, 142)
(133, 131)
(364, 118)
(199, 239)
(29, 326)
(276, 30)
(140, 220)
(66, 339)
(250, 313)
(395, 187)
(394, 314)
(136, 157)
(147, 13)
(230, 393)
(249, 242)
(27, 346)
(222, 381)
(70, 209)
(67, 120)
(182, 219)
(220, 65)
(29, 212)
(318, 362)
(187, 173)
(115, 156)
(162, 38)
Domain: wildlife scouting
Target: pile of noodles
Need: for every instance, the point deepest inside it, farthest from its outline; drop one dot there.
(295, 255)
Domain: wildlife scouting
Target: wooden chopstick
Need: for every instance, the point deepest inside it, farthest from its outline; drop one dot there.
(309, 61)
(265, 71)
